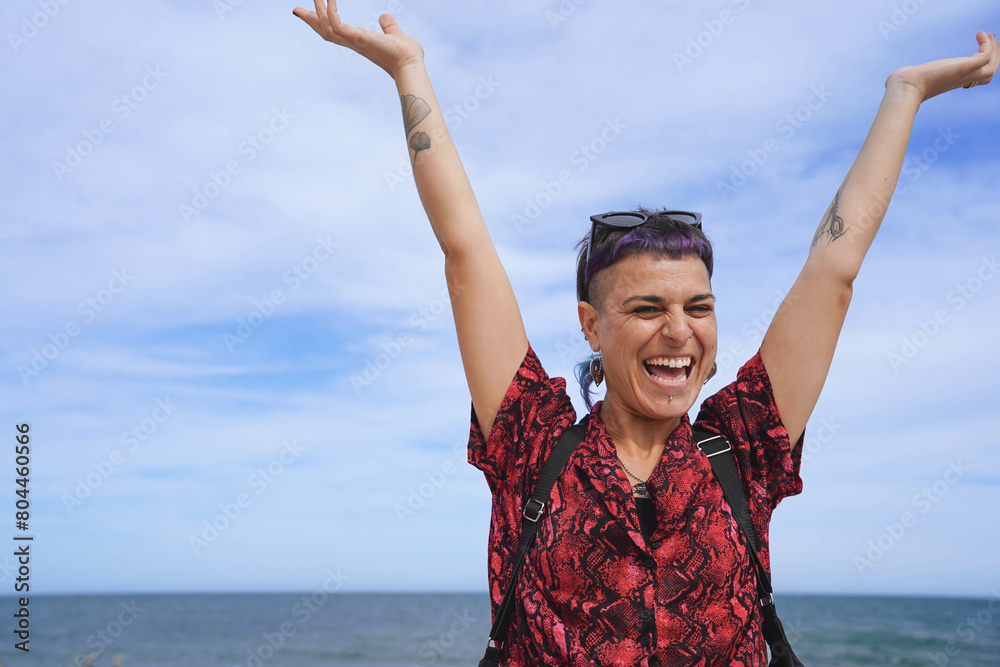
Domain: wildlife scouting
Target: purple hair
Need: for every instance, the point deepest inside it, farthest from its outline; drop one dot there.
(660, 235)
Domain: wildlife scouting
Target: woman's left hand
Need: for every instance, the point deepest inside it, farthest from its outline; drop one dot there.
(800, 341)
(940, 76)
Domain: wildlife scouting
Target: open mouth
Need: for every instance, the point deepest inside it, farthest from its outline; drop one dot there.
(669, 370)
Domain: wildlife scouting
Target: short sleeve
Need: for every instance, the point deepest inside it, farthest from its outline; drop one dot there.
(534, 408)
(745, 413)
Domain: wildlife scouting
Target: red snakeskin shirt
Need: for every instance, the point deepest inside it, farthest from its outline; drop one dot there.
(592, 591)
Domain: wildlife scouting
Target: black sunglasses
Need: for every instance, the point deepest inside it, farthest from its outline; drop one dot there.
(630, 219)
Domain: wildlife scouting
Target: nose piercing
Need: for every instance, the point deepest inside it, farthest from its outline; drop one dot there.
(692, 333)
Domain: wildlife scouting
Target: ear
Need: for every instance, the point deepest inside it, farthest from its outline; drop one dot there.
(589, 319)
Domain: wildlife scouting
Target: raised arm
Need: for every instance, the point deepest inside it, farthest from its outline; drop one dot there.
(799, 344)
(491, 334)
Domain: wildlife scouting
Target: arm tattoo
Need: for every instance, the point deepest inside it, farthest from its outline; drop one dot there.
(414, 111)
(419, 142)
(832, 224)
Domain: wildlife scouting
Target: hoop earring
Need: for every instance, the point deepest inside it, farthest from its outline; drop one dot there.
(711, 373)
(596, 369)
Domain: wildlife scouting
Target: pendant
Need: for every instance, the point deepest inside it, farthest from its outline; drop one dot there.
(640, 491)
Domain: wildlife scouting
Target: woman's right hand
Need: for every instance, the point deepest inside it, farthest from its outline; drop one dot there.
(487, 320)
(391, 51)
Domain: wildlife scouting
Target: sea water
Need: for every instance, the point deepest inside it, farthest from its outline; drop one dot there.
(424, 629)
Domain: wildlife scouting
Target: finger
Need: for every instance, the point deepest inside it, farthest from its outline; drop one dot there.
(990, 48)
(338, 31)
(309, 18)
(979, 61)
(985, 43)
(332, 15)
(322, 19)
(995, 59)
(389, 25)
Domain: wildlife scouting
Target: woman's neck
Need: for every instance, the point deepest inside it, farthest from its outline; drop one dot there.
(636, 434)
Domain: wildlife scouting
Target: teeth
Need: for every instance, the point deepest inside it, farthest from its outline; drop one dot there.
(672, 363)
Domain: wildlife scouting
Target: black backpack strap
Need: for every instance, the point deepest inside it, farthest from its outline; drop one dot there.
(724, 467)
(533, 510)
(723, 461)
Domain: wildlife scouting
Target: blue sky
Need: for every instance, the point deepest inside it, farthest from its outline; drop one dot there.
(225, 305)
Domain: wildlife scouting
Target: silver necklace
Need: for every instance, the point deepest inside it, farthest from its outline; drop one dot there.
(638, 490)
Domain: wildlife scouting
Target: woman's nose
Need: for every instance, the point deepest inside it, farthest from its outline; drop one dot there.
(678, 330)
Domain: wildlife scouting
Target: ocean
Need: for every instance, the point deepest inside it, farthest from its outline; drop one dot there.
(422, 629)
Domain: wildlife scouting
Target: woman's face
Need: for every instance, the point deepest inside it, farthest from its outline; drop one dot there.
(656, 331)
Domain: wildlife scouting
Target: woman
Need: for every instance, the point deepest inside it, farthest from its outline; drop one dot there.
(617, 577)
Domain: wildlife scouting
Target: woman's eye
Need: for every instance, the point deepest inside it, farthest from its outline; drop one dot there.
(700, 309)
(645, 310)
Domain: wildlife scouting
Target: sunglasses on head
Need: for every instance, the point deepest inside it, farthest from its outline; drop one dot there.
(630, 219)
